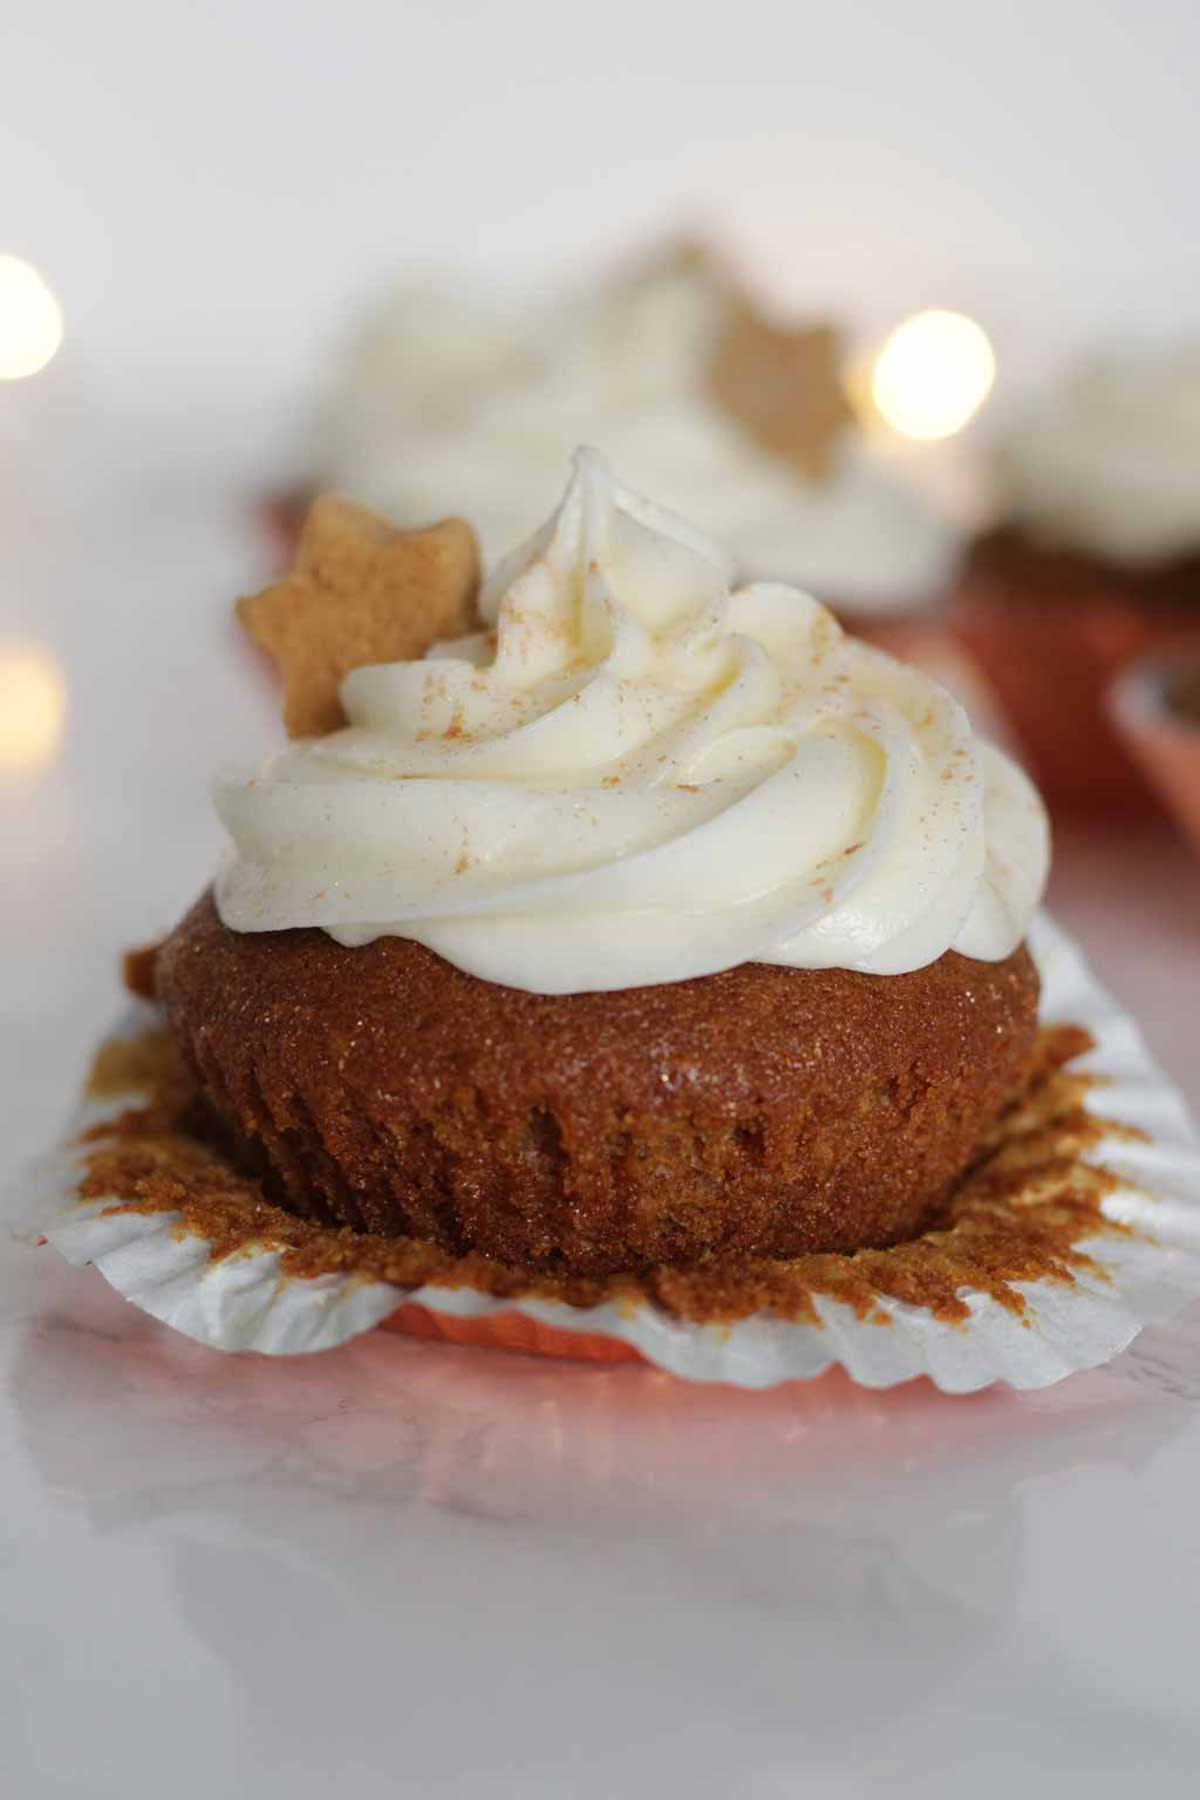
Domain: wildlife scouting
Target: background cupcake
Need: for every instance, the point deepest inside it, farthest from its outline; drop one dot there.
(1095, 560)
(449, 400)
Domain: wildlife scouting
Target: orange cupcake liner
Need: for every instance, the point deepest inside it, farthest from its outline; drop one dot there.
(509, 1330)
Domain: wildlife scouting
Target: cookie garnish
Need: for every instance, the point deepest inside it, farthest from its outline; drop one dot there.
(360, 592)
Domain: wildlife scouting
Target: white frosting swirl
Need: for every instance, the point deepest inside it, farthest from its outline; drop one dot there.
(638, 775)
(1109, 461)
(450, 403)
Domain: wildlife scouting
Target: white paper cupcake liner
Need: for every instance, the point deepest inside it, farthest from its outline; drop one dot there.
(246, 1302)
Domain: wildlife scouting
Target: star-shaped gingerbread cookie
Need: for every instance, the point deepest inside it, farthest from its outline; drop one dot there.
(360, 592)
(782, 385)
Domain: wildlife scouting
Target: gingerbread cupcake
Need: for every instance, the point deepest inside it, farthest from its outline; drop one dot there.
(652, 921)
(1095, 561)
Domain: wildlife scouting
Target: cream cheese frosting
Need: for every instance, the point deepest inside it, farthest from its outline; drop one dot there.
(1109, 460)
(450, 402)
(639, 773)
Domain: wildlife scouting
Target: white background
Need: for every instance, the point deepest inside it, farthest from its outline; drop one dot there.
(217, 179)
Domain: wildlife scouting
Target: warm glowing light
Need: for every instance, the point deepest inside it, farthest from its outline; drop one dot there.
(31, 321)
(933, 374)
(33, 707)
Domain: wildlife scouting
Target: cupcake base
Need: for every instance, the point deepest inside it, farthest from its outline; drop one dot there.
(1078, 1226)
(761, 1111)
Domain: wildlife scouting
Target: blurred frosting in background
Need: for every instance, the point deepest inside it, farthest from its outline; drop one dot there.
(452, 401)
(1107, 460)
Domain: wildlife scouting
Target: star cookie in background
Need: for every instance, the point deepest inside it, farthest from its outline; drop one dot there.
(783, 385)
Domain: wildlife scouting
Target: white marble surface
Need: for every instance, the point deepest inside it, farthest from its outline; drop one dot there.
(403, 1568)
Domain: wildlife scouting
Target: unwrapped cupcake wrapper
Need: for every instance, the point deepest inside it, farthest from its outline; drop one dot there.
(246, 1301)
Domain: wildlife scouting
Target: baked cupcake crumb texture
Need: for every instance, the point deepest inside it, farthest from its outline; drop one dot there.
(1019, 1215)
(760, 1110)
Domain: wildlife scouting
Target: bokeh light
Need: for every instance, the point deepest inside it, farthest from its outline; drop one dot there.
(932, 375)
(31, 321)
(33, 707)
